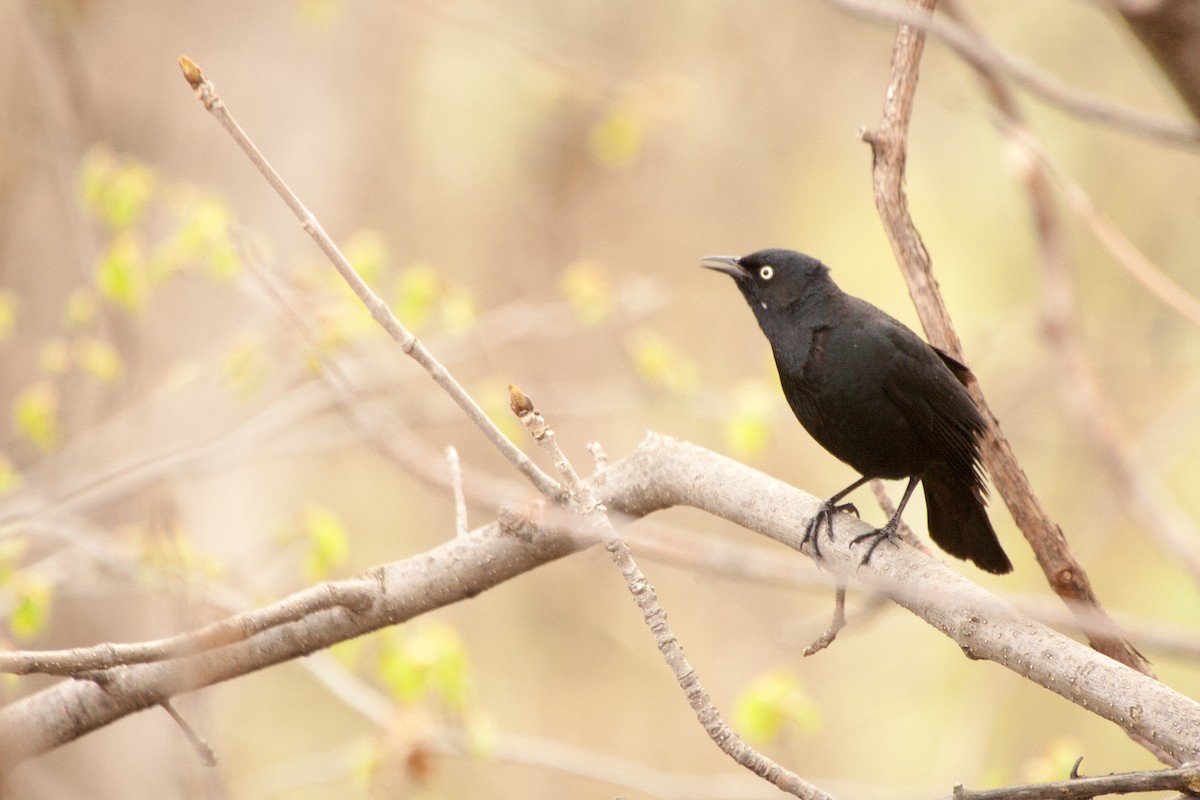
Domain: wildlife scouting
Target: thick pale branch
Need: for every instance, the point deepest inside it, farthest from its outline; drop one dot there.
(660, 474)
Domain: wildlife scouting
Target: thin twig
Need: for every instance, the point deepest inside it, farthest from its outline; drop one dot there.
(202, 748)
(1182, 779)
(207, 94)
(594, 514)
(456, 483)
(599, 457)
(889, 149)
(835, 626)
(355, 595)
(981, 53)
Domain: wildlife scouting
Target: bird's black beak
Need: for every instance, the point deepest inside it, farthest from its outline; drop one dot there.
(727, 264)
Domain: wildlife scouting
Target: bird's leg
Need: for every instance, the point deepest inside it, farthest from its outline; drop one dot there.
(824, 516)
(888, 530)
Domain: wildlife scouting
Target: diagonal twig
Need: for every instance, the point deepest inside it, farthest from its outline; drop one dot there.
(888, 147)
(595, 516)
(410, 344)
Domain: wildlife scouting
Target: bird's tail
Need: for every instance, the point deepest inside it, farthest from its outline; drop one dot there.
(958, 521)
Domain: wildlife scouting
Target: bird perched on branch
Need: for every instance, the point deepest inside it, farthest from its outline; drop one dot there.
(876, 395)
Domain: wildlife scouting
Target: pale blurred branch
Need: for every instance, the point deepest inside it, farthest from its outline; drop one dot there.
(661, 473)
(888, 143)
(983, 54)
(1158, 515)
(595, 517)
(506, 747)
(1146, 273)
(454, 463)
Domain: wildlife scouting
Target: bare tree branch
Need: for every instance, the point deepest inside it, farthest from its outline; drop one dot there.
(1161, 518)
(888, 146)
(661, 473)
(980, 53)
(593, 513)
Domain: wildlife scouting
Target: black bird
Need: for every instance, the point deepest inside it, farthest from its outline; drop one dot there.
(874, 394)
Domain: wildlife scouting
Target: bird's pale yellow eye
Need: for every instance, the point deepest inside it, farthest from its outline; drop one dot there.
(767, 272)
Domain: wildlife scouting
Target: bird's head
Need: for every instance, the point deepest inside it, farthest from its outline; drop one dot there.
(772, 279)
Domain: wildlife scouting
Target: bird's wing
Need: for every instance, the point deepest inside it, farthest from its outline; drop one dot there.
(960, 370)
(927, 391)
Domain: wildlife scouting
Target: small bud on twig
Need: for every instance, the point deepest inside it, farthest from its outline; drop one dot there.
(191, 71)
(518, 401)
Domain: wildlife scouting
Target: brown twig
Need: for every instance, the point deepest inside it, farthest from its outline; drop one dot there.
(593, 512)
(1061, 325)
(410, 344)
(835, 626)
(888, 146)
(1181, 779)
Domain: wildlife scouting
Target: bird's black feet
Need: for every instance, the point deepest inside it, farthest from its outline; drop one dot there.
(824, 519)
(877, 537)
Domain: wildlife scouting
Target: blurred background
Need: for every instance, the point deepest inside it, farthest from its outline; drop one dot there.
(198, 419)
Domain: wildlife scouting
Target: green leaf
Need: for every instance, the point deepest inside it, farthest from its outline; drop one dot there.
(657, 361)
(588, 292)
(748, 425)
(616, 139)
(203, 237)
(458, 310)
(427, 663)
(99, 359)
(328, 544)
(115, 190)
(8, 314)
(120, 276)
(11, 551)
(244, 368)
(418, 290)
(31, 609)
(366, 251)
(35, 413)
(771, 702)
(10, 477)
(80, 307)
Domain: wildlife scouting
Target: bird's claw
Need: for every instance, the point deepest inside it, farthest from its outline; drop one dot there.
(824, 518)
(879, 536)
